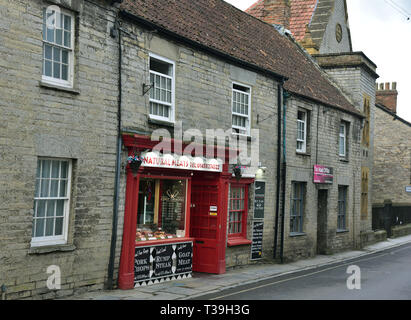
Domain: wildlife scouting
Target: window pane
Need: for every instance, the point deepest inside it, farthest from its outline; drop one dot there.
(56, 70)
(59, 208)
(64, 56)
(49, 227)
(50, 208)
(54, 188)
(47, 52)
(64, 169)
(45, 183)
(47, 68)
(59, 227)
(67, 23)
(67, 39)
(45, 172)
(39, 228)
(59, 36)
(56, 54)
(50, 35)
(64, 72)
(63, 188)
(41, 208)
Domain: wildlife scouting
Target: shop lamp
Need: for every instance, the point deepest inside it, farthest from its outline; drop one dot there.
(237, 172)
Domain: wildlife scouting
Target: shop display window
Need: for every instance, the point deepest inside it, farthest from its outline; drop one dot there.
(161, 209)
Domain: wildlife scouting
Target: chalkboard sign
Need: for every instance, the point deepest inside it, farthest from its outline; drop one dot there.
(257, 240)
(259, 200)
(142, 263)
(184, 257)
(163, 261)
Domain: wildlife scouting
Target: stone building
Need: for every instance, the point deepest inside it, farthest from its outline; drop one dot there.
(88, 84)
(392, 159)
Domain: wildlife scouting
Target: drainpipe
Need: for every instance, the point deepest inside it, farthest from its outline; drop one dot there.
(116, 32)
(278, 179)
(283, 174)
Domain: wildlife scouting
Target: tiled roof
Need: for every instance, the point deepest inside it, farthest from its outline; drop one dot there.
(301, 13)
(221, 27)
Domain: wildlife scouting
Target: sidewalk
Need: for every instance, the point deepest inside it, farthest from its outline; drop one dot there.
(201, 284)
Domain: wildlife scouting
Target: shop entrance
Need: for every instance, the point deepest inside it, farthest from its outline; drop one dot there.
(207, 227)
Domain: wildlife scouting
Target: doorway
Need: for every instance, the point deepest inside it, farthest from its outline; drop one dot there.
(322, 221)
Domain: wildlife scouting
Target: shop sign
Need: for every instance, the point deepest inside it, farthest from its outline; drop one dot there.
(257, 240)
(323, 174)
(162, 262)
(172, 161)
(259, 200)
(408, 189)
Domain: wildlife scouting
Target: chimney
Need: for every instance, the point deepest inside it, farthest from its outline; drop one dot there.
(277, 12)
(387, 94)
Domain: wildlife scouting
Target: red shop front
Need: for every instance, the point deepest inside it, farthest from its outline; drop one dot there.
(175, 218)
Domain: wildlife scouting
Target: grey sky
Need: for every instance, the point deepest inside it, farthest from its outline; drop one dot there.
(384, 35)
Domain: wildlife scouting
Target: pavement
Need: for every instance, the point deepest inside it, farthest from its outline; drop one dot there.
(205, 284)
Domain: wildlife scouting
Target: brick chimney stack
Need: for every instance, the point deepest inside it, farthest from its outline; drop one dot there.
(387, 95)
(277, 12)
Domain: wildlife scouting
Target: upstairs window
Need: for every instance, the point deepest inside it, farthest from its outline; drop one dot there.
(343, 140)
(241, 109)
(302, 131)
(58, 47)
(162, 91)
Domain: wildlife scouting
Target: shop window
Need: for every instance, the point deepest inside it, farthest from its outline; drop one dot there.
(51, 202)
(58, 47)
(297, 208)
(237, 223)
(162, 92)
(241, 109)
(161, 209)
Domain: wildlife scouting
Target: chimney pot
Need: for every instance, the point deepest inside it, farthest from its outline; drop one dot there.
(394, 86)
(387, 86)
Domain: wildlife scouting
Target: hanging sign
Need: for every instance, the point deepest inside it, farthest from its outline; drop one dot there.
(257, 240)
(323, 174)
(173, 161)
(259, 200)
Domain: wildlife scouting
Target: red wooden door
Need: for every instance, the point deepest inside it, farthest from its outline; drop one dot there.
(207, 228)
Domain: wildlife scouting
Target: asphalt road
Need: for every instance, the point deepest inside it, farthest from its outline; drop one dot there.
(384, 275)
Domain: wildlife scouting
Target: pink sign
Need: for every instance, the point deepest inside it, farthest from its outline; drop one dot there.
(323, 174)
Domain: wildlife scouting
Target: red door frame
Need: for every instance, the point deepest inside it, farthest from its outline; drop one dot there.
(139, 143)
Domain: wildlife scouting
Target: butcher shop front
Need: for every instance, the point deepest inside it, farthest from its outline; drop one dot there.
(175, 218)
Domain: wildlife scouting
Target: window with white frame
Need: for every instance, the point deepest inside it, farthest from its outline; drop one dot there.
(302, 131)
(162, 91)
(58, 46)
(241, 109)
(51, 202)
(343, 140)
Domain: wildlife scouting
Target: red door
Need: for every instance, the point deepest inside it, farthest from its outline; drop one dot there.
(207, 227)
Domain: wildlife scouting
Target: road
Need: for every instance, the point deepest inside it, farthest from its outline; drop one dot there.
(383, 275)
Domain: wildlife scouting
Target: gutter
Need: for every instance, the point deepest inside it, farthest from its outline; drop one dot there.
(116, 32)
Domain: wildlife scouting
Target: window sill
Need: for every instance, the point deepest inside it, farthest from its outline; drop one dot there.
(342, 231)
(238, 242)
(52, 248)
(342, 159)
(305, 154)
(161, 122)
(58, 87)
(237, 135)
(297, 234)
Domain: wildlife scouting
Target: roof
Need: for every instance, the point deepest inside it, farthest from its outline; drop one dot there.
(394, 115)
(221, 27)
(301, 13)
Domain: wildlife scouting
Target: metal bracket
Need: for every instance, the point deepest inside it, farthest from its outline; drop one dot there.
(146, 88)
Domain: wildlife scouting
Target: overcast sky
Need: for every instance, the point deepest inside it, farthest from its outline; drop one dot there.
(384, 35)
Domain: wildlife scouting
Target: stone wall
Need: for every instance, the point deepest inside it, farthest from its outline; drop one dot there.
(392, 160)
(40, 121)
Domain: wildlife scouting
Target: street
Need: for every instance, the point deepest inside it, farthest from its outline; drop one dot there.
(383, 275)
